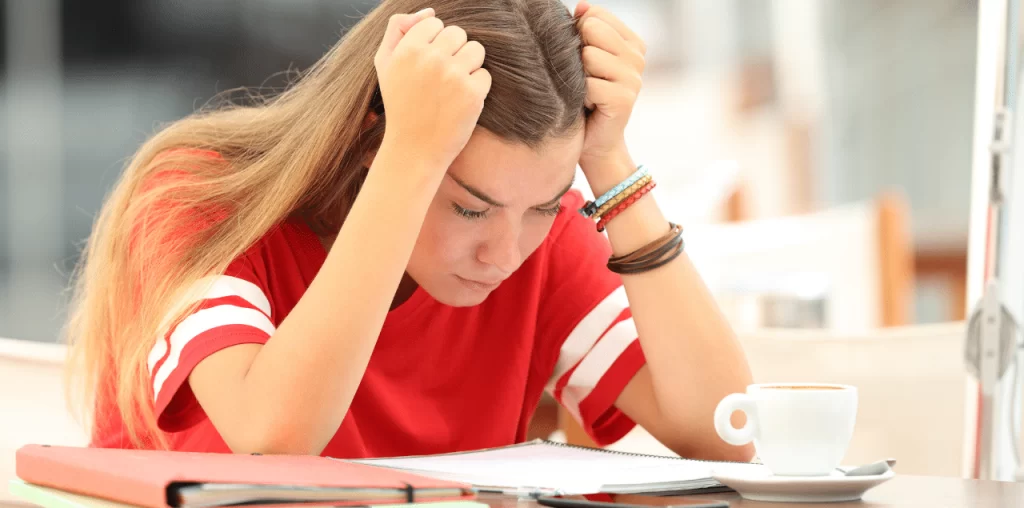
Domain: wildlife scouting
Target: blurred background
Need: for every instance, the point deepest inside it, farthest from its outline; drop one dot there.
(751, 110)
(817, 152)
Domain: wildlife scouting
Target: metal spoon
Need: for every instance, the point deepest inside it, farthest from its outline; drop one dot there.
(872, 469)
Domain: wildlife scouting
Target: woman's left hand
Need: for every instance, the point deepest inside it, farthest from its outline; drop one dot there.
(613, 58)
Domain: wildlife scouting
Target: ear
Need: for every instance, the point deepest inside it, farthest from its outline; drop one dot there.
(368, 158)
(369, 120)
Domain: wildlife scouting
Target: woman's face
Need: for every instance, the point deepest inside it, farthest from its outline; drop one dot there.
(493, 209)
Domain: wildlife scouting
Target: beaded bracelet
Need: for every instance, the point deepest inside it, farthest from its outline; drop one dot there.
(591, 207)
(624, 205)
(622, 196)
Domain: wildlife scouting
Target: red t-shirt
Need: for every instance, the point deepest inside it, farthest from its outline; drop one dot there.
(441, 378)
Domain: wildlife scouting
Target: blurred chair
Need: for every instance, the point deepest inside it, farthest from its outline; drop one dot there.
(33, 403)
(847, 268)
(852, 265)
(910, 380)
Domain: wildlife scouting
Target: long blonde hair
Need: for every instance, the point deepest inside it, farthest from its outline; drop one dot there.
(177, 214)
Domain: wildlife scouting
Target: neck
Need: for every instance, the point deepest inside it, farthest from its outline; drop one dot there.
(405, 290)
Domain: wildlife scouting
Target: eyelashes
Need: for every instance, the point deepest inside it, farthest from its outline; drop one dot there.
(551, 212)
(480, 214)
(469, 214)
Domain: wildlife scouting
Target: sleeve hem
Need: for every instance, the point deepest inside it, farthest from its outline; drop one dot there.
(176, 407)
(609, 424)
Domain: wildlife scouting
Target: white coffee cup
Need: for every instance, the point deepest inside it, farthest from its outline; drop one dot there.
(798, 429)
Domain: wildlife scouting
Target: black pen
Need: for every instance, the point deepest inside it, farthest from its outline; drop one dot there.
(556, 502)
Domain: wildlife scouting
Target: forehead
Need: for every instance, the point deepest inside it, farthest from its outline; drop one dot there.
(514, 171)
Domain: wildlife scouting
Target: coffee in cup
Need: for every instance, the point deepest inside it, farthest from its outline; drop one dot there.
(798, 429)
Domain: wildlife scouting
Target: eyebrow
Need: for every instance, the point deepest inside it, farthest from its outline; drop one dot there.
(477, 193)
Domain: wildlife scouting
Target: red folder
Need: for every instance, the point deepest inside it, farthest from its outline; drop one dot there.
(180, 479)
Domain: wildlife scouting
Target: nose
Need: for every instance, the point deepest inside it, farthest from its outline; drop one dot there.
(501, 248)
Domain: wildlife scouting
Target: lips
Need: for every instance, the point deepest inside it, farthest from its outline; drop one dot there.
(485, 283)
(477, 284)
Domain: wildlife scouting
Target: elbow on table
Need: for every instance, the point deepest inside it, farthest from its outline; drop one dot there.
(717, 451)
(731, 453)
(275, 440)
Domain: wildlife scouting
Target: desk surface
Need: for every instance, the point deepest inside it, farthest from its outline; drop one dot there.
(901, 491)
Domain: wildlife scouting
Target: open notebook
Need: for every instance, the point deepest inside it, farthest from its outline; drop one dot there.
(544, 467)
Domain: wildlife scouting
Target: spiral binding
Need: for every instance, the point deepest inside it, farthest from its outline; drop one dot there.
(629, 454)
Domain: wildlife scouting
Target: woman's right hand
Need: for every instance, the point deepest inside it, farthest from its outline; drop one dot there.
(432, 85)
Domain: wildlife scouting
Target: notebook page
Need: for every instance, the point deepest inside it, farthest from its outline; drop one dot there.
(550, 466)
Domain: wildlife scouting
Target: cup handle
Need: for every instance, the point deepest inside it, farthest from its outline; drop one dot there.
(723, 414)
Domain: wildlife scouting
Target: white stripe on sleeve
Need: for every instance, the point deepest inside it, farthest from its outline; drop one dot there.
(596, 363)
(158, 352)
(233, 286)
(208, 288)
(202, 321)
(587, 332)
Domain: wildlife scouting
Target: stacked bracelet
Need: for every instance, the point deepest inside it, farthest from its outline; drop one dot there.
(622, 196)
(590, 208)
(632, 198)
(653, 255)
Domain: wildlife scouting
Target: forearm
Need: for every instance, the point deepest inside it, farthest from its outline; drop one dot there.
(302, 382)
(692, 353)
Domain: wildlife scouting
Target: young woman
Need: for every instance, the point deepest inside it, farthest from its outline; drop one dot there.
(386, 259)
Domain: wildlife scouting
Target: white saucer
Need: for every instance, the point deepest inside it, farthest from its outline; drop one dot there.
(759, 484)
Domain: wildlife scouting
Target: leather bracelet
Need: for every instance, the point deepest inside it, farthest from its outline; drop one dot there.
(673, 230)
(622, 196)
(652, 258)
(633, 198)
(652, 255)
(659, 264)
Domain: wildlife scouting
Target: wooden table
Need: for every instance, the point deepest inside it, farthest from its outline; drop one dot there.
(901, 491)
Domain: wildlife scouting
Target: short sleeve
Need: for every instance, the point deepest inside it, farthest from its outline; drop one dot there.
(233, 309)
(594, 348)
